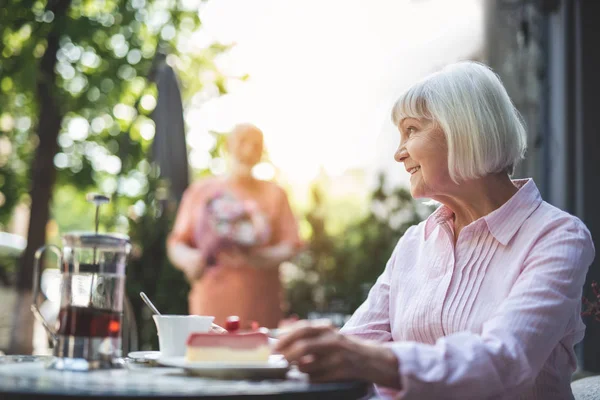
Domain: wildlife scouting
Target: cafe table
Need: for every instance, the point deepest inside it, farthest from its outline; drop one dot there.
(26, 377)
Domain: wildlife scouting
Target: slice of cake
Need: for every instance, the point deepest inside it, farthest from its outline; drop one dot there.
(234, 348)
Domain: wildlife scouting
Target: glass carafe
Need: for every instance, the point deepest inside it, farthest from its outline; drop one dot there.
(87, 334)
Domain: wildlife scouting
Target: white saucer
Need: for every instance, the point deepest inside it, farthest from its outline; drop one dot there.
(144, 356)
(276, 368)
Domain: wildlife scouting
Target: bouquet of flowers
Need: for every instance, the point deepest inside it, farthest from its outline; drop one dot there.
(231, 223)
(592, 308)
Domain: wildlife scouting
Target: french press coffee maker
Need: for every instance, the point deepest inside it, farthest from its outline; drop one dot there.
(87, 334)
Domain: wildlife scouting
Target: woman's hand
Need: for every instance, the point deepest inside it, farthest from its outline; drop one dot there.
(232, 257)
(193, 269)
(188, 259)
(326, 355)
(271, 256)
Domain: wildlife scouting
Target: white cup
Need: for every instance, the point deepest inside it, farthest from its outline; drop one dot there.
(174, 330)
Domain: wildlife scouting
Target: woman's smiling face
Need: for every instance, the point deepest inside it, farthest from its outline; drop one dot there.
(424, 152)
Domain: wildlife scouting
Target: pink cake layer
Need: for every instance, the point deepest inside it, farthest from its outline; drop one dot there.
(248, 340)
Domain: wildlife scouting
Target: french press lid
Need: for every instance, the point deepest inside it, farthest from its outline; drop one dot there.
(100, 241)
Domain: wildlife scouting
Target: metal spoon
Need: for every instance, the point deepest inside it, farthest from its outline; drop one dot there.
(149, 303)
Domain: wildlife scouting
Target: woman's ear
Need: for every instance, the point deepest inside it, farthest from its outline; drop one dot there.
(264, 156)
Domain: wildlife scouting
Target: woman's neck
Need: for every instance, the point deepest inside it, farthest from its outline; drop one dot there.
(478, 198)
(241, 174)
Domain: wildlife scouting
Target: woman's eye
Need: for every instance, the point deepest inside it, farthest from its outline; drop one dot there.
(410, 130)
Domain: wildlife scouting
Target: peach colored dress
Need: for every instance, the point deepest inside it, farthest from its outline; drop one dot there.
(252, 293)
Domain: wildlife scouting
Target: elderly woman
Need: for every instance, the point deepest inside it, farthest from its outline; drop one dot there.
(226, 278)
(481, 300)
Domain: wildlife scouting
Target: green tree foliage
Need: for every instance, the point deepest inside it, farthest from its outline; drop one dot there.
(102, 84)
(337, 271)
(76, 93)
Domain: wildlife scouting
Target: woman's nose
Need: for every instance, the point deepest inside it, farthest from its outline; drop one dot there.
(400, 155)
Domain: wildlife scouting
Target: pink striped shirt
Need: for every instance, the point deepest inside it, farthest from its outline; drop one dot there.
(494, 316)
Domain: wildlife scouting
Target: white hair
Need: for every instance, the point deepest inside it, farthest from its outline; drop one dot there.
(467, 100)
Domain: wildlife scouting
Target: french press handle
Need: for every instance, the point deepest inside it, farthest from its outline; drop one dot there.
(36, 285)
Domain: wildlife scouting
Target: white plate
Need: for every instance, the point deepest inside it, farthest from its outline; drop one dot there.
(276, 368)
(144, 356)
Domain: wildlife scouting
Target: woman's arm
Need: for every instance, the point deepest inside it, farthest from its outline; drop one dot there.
(179, 249)
(372, 319)
(356, 351)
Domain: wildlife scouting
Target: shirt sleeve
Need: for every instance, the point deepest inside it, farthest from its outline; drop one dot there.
(372, 319)
(516, 341)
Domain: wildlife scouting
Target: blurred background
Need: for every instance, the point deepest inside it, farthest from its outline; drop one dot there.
(133, 98)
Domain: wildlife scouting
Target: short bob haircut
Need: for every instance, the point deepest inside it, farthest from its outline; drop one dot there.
(467, 100)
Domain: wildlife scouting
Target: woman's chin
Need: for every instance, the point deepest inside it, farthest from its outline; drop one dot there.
(416, 191)
(415, 195)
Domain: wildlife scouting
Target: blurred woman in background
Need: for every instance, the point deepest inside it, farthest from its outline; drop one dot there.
(230, 236)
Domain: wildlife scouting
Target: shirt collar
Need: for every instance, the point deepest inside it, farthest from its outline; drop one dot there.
(503, 222)
(440, 216)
